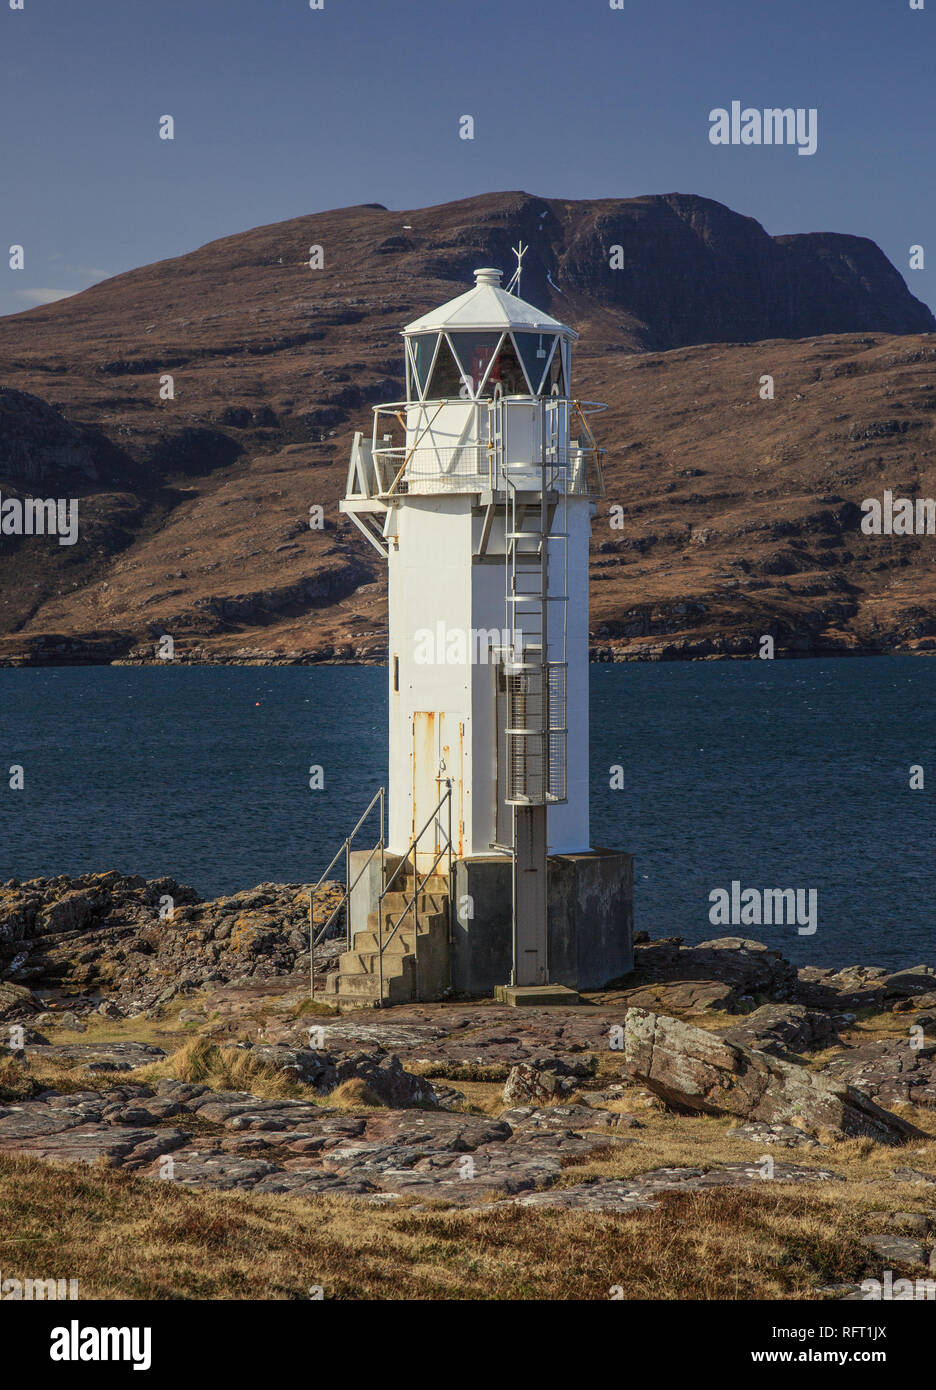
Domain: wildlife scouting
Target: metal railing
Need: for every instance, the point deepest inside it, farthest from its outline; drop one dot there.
(595, 485)
(481, 463)
(345, 900)
(418, 886)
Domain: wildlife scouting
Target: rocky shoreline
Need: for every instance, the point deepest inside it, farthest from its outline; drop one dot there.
(126, 1029)
(74, 654)
(136, 944)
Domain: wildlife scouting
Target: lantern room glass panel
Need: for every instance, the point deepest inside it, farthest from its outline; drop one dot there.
(474, 352)
(506, 372)
(534, 350)
(555, 383)
(423, 348)
(445, 382)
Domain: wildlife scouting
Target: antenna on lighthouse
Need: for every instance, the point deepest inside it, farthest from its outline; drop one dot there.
(519, 251)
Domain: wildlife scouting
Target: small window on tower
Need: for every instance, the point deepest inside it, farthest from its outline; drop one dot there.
(396, 673)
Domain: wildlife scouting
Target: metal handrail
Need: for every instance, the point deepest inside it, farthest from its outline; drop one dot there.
(395, 483)
(599, 474)
(345, 900)
(417, 889)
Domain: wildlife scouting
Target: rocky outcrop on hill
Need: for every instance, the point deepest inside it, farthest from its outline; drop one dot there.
(780, 287)
(40, 448)
(697, 1071)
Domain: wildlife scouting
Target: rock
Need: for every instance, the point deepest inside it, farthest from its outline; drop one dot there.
(109, 1009)
(70, 912)
(428, 1129)
(70, 1020)
(223, 1172)
(854, 987)
(915, 1223)
(890, 1070)
(576, 1119)
(913, 1175)
(698, 1071)
(720, 974)
(914, 1003)
(100, 1057)
(784, 1029)
(385, 1079)
(787, 1136)
(901, 1249)
(302, 1064)
(16, 1001)
(30, 1036)
(915, 984)
(538, 1082)
(448, 1097)
(640, 1193)
(182, 1091)
(109, 934)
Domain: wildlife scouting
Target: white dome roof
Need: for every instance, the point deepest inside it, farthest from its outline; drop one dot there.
(487, 305)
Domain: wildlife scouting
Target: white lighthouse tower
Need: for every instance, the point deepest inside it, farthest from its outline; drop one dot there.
(479, 490)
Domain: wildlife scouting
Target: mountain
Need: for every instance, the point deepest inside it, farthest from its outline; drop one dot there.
(740, 515)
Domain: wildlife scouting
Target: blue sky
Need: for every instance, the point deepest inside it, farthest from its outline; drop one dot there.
(281, 110)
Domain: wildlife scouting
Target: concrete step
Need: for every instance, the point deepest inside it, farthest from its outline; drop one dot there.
(365, 962)
(404, 943)
(369, 963)
(364, 988)
(427, 902)
(435, 883)
(428, 917)
(356, 983)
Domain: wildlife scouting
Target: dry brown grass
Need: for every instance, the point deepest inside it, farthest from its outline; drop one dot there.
(129, 1237)
(353, 1094)
(126, 1237)
(207, 1063)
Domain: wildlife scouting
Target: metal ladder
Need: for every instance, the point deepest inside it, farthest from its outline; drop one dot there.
(536, 518)
(535, 499)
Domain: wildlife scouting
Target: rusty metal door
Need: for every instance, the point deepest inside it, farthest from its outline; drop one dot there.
(451, 763)
(437, 754)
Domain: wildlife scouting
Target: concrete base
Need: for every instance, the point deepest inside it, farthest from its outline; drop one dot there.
(590, 921)
(590, 918)
(537, 996)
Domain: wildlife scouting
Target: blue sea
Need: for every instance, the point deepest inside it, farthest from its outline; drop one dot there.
(786, 774)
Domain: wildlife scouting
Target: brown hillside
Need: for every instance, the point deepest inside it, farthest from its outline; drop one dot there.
(740, 514)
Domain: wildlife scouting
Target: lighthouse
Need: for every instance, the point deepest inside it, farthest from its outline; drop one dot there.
(479, 489)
